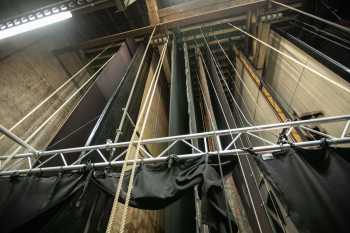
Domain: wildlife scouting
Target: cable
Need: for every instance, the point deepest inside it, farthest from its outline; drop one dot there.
(248, 140)
(346, 89)
(249, 92)
(153, 84)
(59, 109)
(245, 86)
(74, 131)
(323, 37)
(121, 123)
(217, 140)
(56, 91)
(238, 157)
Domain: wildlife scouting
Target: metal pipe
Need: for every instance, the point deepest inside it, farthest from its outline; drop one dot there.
(108, 105)
(193, 136)
(224, 153)
(17, 139)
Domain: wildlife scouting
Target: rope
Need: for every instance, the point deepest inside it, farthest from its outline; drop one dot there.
(131, 181)
(346, 89)
(121, 124)
(115, 206)
(148, 102)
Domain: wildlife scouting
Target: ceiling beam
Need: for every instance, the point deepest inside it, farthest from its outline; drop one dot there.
(227, 12)
(196, 7)
(153, 17)
(152, 9)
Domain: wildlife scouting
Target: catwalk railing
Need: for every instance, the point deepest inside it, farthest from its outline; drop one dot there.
(103, 151)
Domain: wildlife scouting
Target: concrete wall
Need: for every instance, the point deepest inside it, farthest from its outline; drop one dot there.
(31, 71)
(301, 90)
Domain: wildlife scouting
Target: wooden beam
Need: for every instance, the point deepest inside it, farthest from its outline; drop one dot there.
(152, 8)
(196, 7)
(153, 17)
(232, 11)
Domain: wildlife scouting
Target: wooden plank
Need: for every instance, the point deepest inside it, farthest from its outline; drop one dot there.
(185, 6)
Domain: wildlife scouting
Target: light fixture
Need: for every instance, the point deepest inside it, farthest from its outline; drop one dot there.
(34, 24)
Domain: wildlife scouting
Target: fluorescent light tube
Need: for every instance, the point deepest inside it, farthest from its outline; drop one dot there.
(38, 23)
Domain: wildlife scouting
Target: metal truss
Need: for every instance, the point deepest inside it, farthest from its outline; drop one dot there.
(102, 152)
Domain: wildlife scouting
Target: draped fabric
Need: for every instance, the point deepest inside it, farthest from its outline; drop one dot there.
(82, 202)
(313, 185)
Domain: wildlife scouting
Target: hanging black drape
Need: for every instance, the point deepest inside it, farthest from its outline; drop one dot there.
(82, 202)
(314, 187)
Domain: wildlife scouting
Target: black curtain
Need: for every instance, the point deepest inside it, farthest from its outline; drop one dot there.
(82, 202)
(313, 185)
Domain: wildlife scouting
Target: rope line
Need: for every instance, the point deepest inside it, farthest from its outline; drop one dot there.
(132, 176)
(115, 206)
(247, 138)
(121, 123)
(250, 145)
(148, 102)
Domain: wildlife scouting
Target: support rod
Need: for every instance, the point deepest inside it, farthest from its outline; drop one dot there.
(17, 139)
